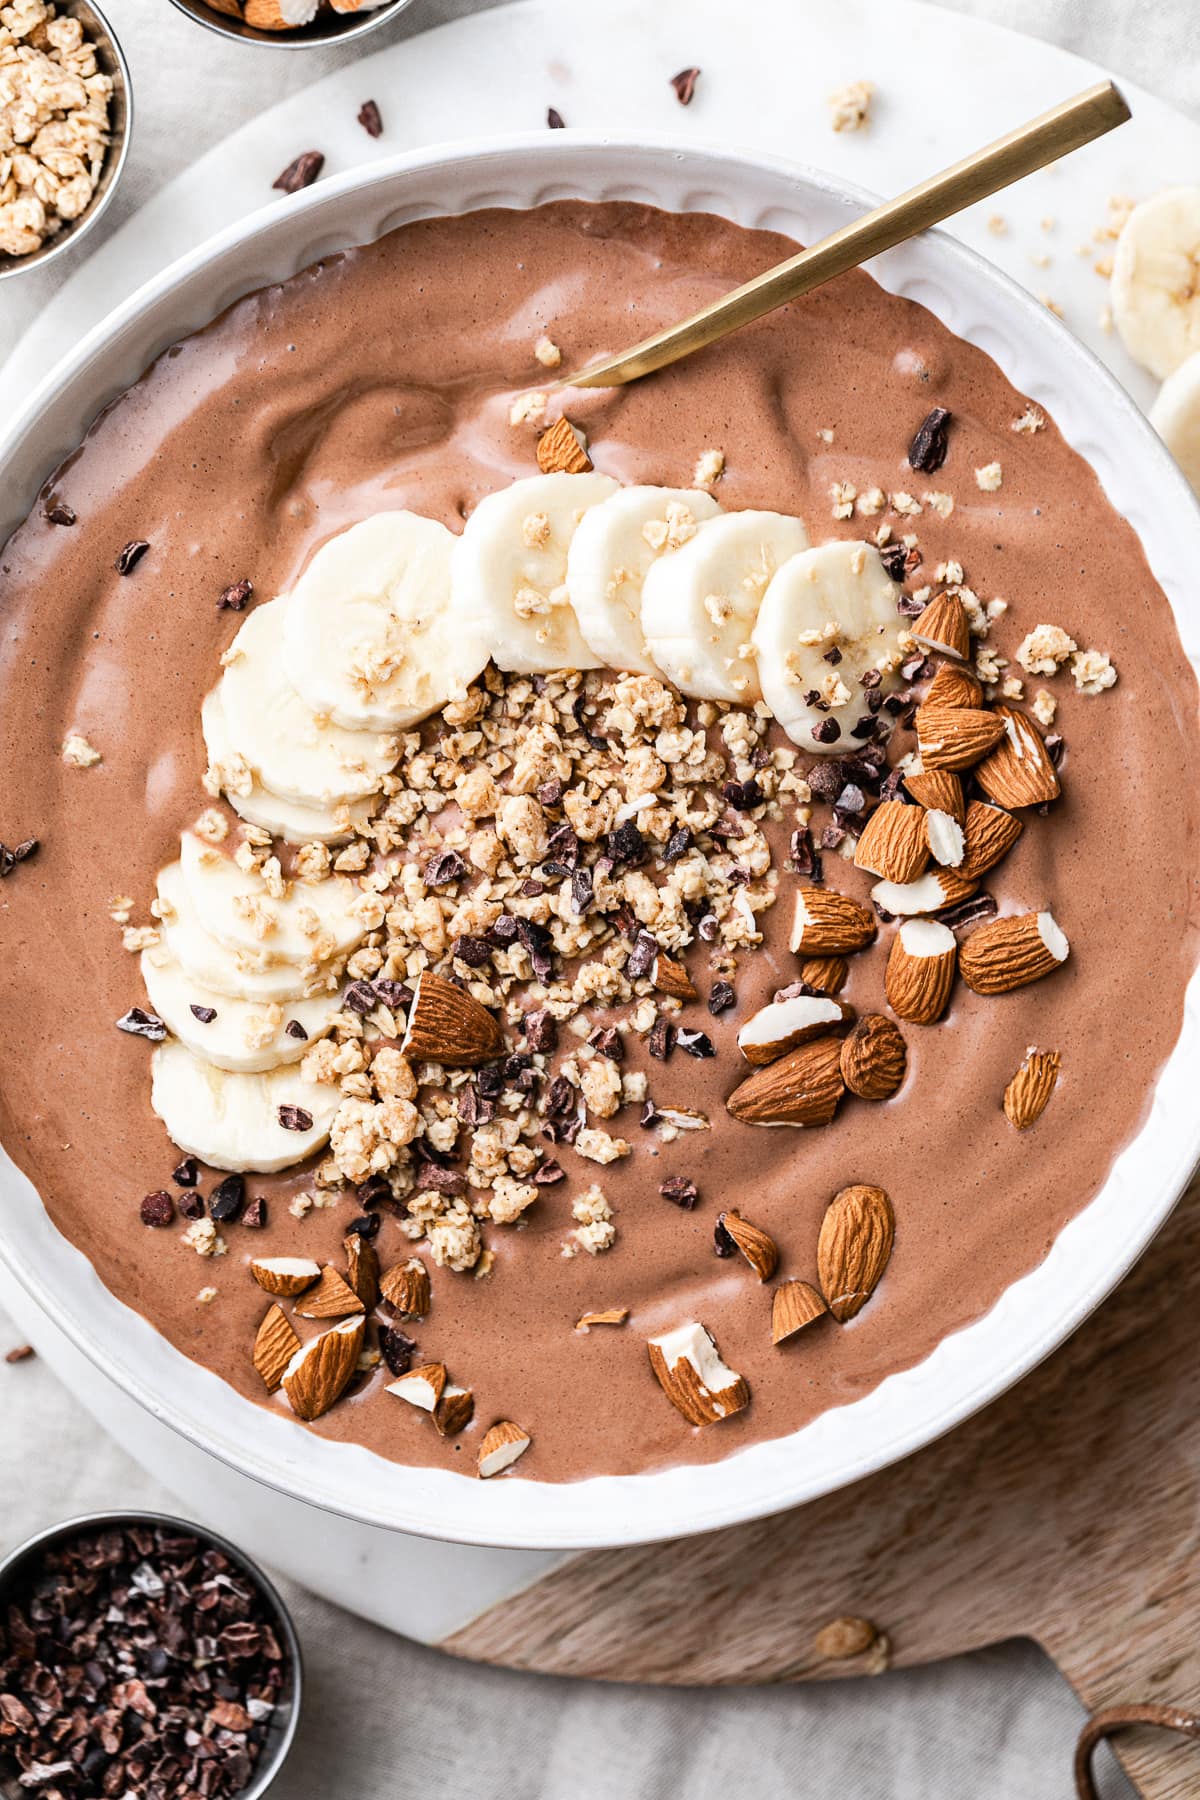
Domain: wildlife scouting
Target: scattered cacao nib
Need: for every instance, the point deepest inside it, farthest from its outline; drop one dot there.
(473, 1109)
(626, 921)
(393, 993)
(300, 173)
(158, 1208)
(917, 668)
(540, 945)
(190, 1204)
(813, 698)
(832, 836)
(255, 1215)
(661, 1040)
(132, 554)
(59, 513)
(685, 85)
(1055, 746)
(895, 562)
(626, 844)
(19, 1353)
(365, 1226)
(374, 1191)
(19, 853)
(743, 795)
(560, 1098)
(550, 793)
(803, 855)
(228, 1197)
(444, 868)
(396, 1349)
(360, 997)
(678, 844)
(679, 1191)
(969, 912)
(721, 997)
(851, 800)
(490, 1080)
(581, 891)
(138, 1661)
(139, 1023)
(825, 779)
(474, 951)
(541, 1031)
(867, 726)
(547, 1173)
(205, 1014)
(927, 452)
(186, 1173)
(370, 119)
(723, 1244)
(893, 787)
(554, 119)
(563, 844)
(649, 1116)
(708, 928)
(696, 1043)
(642, 956)
(908, 608)
(294, 1029)
(870, 678)
(607, 1041)
(234, 597)
(826, 731)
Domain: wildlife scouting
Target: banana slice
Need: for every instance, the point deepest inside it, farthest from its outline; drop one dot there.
(242, 974)
(827, 618)
(297, 753)
(699, 604)
(370, 637)
(1175, 416)
(287, 819)
(241, 1035)
(233, 1121)
(609, 557)
(509, 574)
(309, 923)
(1156, 280)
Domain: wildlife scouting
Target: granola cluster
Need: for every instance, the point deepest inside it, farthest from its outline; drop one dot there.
(54, 106)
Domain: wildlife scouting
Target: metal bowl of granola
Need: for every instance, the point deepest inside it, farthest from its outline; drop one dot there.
(66, 115)
(291, 24)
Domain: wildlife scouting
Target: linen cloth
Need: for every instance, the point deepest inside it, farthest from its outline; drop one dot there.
(384, 1717)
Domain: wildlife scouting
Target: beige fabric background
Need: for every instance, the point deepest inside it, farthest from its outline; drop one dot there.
(385, 1718)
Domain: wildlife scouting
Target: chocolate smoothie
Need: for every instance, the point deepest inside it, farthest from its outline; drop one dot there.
(390, 377)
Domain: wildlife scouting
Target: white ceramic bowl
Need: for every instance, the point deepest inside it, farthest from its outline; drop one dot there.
(968, 1369)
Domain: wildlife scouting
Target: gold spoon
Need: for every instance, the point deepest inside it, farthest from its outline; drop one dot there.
(1043, 140)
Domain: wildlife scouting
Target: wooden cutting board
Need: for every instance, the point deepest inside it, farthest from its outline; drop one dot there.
(1068, 1512)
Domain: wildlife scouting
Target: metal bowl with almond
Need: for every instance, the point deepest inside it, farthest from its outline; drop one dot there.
(292, 24)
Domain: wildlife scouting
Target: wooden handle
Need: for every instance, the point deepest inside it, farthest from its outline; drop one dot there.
(1031, 146)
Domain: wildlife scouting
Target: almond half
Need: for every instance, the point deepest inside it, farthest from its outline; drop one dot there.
(794, 1304)
(955, 737)
(1028, 1093)
(829, 973)
(893, 842)
(284, 1275)
(405, 1288)
(928, 893)
(945, 837)
(874, 1058)
(362, 1268)
(990, 834)
(940, 790)
(826, 923)
(670, 977)
(613, 1315)
(1010, 953)
(689, 1370)
(561, 451)
(954, 686)
(447, 1025)
(332, 1298)
(502, 1443)
(854, 1247)
(757, 1246)
(943, 627)
(320, 1370)
(275, 1344)
(783, 1024)
(801, 1089)
(421, 1387)
(920, 970)
(1018, 772)
(454, 1411)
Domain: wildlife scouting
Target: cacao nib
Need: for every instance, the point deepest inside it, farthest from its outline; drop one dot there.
(560, 1098)
(832, 657)
(927, 452)
(804, 856)
(444, 868)
(642, 956)
(360, 997)
(607, 1041)
(554, 119)
(550, 794)
(186, 1173)
(547, 1173)
(743, 795)
(397, 1349)
(626, 844)
(581, 891)
(695, 1043)
(129, 557)
(685, 85)
(191, 1205)
(158, 1208)
(895, 561)
(205, 1014)
(227, 1198)
(474, 951)
(503, 932)
(969, 912)
(59, 513)
(234, 597)
(826, 731)
(679, 1191)
(301, 172)
(139, 1023)
(678, 844)
(720, 998)
(294, 1029)
(255, 1215)
(473, 1109)
(294, 1118)
(870, 678)
(1055, 746)
(541, 1031)
(851, 800)
(370, 118)
(540, 945)
(661, 1040)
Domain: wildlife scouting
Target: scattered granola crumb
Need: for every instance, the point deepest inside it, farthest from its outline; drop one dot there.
(997, 224)
(850, 106)
(989, 478)
(1093, 671)
(529, 409)
(202, 1237)
(1051, 305)
(1031, 420)
(1044, 707)
(78, 752)
(710, 466)
(206, 1296)
(1045, 649)
(547, 353)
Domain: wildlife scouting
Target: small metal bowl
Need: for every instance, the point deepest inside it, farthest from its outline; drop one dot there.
(111, 59)
(328, 28)
(282, 1729)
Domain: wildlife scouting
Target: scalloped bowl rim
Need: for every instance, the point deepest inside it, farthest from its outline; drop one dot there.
(909, 1408)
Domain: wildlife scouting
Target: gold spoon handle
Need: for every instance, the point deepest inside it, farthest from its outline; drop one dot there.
(1031, 146)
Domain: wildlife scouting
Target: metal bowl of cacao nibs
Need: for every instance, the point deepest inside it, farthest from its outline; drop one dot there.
(143, 1656)
(290, 24)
